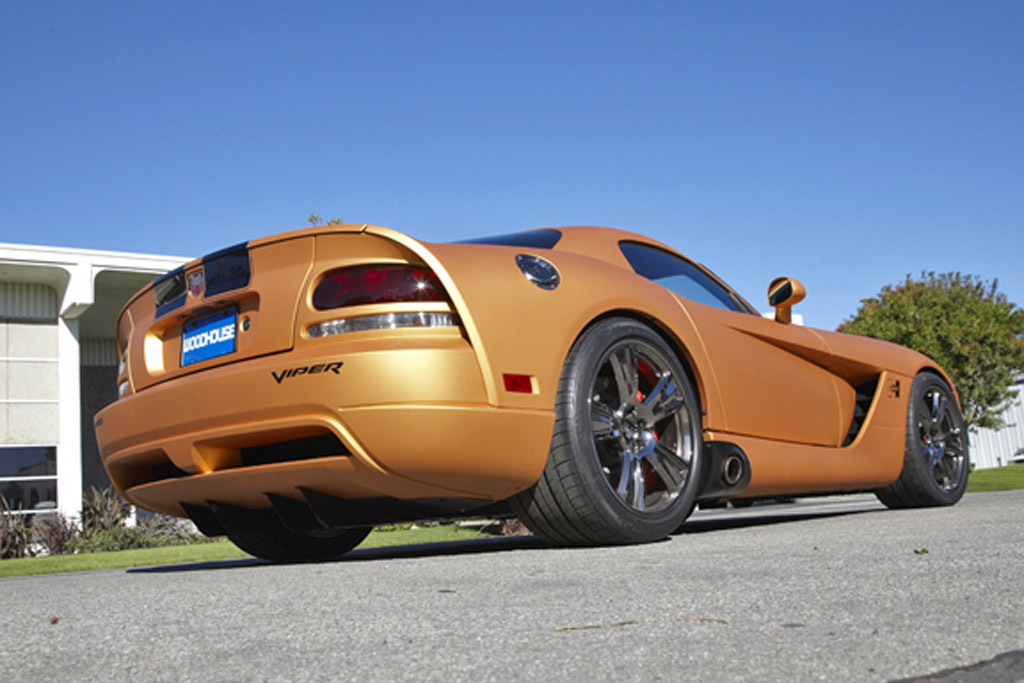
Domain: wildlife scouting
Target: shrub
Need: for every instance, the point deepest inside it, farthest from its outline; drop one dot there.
(513, 526)
(173, 530)
(117, 538)
(506, 526)
(102, 511)
(15, 533)
(103, 516)
(55, 532)
(155, 531)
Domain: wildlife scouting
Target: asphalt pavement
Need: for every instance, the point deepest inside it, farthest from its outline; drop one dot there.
(821, 589)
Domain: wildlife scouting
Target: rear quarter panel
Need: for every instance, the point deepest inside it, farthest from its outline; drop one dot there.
(517, 327)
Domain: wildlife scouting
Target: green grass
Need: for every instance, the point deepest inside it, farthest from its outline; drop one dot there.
(1009, 478)
(210, 552)
(121, 559)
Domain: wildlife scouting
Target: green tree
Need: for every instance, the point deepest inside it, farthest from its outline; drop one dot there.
(314, 219)
(964, 324)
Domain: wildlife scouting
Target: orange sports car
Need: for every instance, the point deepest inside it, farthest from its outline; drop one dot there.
(293, 391)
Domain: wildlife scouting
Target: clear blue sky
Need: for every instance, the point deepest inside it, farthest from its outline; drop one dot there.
(844, 143)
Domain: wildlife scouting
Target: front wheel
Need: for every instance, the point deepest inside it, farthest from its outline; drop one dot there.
(625, 457)
(935, 462)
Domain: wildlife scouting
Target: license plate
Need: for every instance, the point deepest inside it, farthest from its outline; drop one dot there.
(208, 337)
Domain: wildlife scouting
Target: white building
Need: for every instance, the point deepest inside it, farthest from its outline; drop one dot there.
(991, 448)
(58, 365)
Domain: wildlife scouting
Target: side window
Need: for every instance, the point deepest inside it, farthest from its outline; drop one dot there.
(680, 276)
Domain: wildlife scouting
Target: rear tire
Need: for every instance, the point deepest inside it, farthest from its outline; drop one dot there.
(936, 460)
(625, 457)
(271, 540)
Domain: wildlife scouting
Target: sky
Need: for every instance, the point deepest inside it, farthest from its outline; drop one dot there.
(846, 144)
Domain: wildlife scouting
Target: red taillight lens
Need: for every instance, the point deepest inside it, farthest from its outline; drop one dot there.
(377, 285)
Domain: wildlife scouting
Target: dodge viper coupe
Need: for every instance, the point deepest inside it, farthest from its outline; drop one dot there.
(293, 391)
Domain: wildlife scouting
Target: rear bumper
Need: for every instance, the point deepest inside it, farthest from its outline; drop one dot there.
(406, 420)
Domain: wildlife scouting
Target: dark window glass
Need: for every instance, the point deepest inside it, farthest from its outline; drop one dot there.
(169, 291)
(28, 461)
(536, 239)
(30, 495)
(226, 269)
(682, 277)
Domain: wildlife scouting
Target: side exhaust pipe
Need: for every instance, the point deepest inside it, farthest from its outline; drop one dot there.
(732, 469)
(726, 473)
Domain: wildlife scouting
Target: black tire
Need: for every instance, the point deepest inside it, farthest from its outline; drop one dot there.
(271, 540)
(625, 457)
(935, 460)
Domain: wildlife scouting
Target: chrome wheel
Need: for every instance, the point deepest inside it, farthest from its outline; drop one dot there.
(941, 438)
(641, 426)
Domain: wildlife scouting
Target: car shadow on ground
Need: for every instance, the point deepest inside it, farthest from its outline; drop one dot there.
(395, 552)
(738, 519)
(742, 521)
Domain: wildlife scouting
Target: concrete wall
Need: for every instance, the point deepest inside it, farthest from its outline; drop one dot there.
(29, 383)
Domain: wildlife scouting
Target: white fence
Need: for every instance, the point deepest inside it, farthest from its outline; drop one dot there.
(991, 448)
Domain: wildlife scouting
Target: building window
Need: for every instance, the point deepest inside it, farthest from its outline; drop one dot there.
(28, 478)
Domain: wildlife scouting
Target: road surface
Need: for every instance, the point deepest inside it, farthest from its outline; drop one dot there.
(823, 589)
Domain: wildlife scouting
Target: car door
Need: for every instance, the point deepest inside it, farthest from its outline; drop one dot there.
(769, 375)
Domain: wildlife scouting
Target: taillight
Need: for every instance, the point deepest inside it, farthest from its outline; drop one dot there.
(377, 284)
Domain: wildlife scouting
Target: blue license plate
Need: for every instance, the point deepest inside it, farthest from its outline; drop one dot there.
(208, 337)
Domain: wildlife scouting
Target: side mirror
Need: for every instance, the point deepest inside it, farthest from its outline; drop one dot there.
(783, 294)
